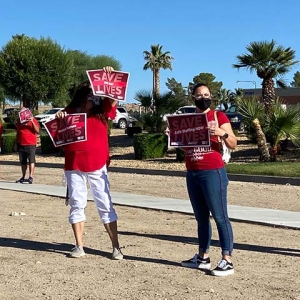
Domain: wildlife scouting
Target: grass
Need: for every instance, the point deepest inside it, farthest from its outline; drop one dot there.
(280, 169)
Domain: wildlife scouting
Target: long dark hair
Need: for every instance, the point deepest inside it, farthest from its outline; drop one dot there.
(80, 99)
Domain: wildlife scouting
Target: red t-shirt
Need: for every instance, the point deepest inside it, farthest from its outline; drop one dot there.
(92, 154)
(206, 158)
(26, 133)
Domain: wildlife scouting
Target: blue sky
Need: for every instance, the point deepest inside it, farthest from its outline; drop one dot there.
(201, 36)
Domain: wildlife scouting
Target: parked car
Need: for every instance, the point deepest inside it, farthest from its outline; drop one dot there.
(188, 109)
(7, 113)
(123, 119)
(47, 116)
(235, 118)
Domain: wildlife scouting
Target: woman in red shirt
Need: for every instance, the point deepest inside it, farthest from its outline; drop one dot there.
(86, 162)
(207, 186)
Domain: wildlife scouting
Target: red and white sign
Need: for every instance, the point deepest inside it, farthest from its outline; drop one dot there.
(112, 85)
(188, 130)
(25, 115)
(70, 129)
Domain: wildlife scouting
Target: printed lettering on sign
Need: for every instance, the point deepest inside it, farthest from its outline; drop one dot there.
(189, 130)
(112, 85)
(25, 115)
(71, 129)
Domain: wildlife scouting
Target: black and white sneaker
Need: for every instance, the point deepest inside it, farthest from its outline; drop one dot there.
(197, 262)
(224, 268)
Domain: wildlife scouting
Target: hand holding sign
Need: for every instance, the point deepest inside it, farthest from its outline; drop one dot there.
(109, 83)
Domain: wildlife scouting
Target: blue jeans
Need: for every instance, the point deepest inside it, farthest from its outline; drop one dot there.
(207, 190)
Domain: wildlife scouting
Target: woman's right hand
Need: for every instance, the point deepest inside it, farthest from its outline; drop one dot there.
(61, 114)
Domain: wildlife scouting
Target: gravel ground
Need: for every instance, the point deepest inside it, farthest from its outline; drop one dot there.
(34, 246)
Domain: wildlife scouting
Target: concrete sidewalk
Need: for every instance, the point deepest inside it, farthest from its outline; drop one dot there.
(238, 213)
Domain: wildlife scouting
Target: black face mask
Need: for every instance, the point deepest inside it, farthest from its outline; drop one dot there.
(203, 103)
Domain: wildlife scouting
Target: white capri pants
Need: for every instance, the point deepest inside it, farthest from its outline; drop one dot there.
(77, 192)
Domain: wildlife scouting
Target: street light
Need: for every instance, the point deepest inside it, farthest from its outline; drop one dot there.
(247, 81)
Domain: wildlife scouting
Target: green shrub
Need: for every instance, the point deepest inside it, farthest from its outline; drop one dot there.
(9, 126)
(149, 145)
(14, 131)
(133, 130)
(8, 142)
(47, 146)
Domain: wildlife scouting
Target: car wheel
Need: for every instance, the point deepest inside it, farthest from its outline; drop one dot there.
(122, 123)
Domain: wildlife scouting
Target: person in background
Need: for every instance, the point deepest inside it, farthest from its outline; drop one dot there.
(86, 161)
(207, 182)
(26, 140)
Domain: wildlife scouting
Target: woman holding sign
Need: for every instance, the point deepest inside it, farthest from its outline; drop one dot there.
(207, 186)
(86, 161)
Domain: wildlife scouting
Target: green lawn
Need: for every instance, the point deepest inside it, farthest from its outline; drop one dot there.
(281, 169)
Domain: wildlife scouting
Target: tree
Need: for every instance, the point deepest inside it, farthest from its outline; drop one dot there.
(156, 60)
(226, 97)
(209, 80)
(2, 98)
(283, 124)
(178, 92)
(270, 62)
(34, 70)
(296, 78)
(164, 103)
(252, 111)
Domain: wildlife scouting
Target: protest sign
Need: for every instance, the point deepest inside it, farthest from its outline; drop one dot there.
(112, 85)
(70, 129)
(188, 130)
(25, 115)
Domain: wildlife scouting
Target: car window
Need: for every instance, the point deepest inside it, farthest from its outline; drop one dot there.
(190, 110)
(121, 110)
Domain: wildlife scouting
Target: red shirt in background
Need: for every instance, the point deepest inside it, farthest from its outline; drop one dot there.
(206, 158)
(92, 154)
(26, 133)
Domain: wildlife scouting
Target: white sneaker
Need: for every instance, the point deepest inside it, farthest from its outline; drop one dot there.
(197, 262)
(77, 252)
(224, 268)
(117, 254)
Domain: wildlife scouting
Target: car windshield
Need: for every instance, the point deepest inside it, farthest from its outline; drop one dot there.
(52, 111)
(231, 109)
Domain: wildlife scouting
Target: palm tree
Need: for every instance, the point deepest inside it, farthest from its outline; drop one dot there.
(164, 103)
(156, 60)
(252, 112)
(283, 124)
(269, 62)
(225, 97)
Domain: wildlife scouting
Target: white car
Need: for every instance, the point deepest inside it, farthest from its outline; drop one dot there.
(47, 116)
(123, 119)
(189, 109)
